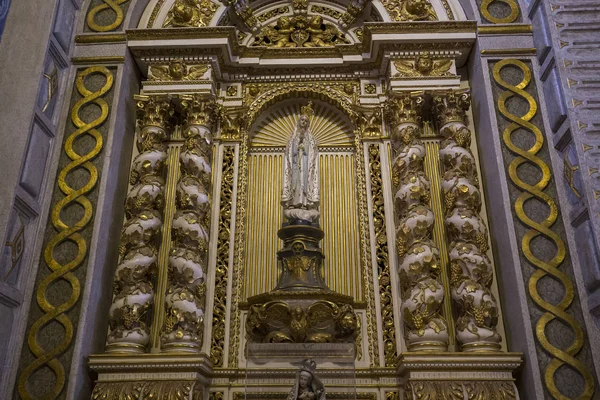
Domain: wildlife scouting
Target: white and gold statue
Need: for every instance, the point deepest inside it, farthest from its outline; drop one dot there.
(307, 386)
(300, 193)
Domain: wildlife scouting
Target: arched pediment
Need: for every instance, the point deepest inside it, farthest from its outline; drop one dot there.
(252, 17)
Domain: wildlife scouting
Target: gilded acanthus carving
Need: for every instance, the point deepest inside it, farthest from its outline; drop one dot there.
(133, 285)
(185, 297)
(177, 70)
(382, 259)
(471, 270)
(147, 390)
(418, 255)
(369, 122)
(352, 12)
(300, 31)
(452, 390)
(192, 13)
(423, 65)
(410, 10)
(222, 262)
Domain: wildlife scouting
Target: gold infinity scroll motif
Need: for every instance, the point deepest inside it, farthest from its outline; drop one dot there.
(510, 18)
(68, 233)
(115, 6)
(544, 268)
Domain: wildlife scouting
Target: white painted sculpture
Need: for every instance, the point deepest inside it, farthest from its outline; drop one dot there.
(300, 193)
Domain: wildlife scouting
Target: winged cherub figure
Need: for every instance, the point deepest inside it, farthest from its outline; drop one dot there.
(423, 65)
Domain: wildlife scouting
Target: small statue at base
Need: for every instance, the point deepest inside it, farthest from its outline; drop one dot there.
(307, 386)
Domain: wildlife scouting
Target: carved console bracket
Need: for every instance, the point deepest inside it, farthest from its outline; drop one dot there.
(459, 375)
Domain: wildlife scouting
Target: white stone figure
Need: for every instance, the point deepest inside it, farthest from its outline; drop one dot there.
(307, 386)
(300, 193)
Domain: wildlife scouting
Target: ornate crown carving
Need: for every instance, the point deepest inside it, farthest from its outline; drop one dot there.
(307, 109)
(451, 106)
(309, 365)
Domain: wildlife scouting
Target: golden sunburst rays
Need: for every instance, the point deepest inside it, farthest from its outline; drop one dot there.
(327, 126)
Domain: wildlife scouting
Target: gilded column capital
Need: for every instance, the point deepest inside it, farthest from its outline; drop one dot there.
(155, 110)
(451, 106)
(404, 109)
(198, 110)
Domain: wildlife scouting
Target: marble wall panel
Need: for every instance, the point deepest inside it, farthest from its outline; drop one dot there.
(36, 159)
(14, 252)
(555, 100)
(64, 23)
(541, 34)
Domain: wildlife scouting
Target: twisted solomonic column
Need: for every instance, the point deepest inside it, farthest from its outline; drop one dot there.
(186, 288)
(418, 256)
(133, 286)
(471, 272)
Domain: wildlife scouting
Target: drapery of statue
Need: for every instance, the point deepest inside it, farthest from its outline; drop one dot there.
(300, 192)
(301, 308)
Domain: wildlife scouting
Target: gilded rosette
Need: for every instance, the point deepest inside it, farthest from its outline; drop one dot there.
(418, 256)
(471, 273)
(133, 286)
(185, 296)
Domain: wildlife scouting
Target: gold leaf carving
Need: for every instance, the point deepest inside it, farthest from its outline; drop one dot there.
(194, 13)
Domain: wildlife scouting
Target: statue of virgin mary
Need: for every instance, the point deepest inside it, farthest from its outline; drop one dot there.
(300, 193)
(308, 386)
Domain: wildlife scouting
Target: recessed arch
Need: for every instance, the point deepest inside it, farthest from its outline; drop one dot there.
(319, 91)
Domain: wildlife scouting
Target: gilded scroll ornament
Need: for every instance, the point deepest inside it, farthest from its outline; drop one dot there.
(190, 13)
(222, 267)
(418, 256)
(423, 65)
(353, 11)
(68, 232)
(115, 7)
(363, 223)
(548, 266)
(273, 13)
(410, 10)
(240, 210)
(300, 31)
(370, 122)
(133, 290)
(177, 70)
(471, 272)
(382, 257)
(323, 321)
(185, 297)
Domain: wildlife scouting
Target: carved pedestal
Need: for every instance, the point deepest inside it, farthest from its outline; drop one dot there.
(301, 308)
(457, 376)
(142, 376)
